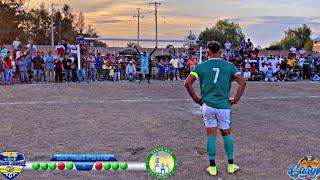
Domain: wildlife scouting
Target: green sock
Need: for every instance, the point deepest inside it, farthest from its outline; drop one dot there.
(211, 147)
(228, 146)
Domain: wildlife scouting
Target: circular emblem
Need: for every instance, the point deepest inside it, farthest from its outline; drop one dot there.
(161, 163)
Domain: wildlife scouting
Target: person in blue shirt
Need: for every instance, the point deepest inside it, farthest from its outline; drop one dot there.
(145, 59)
(49, 61)
(99, 62)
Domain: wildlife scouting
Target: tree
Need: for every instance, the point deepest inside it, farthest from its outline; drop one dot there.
(298, 37)
(275, 46)
(222, 31)
(11, 20)
(39, 25)
(81, 23)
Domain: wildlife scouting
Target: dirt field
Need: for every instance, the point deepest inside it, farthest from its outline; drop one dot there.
(275, 124)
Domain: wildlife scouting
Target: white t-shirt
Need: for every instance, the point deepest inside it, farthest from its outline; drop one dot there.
(60, 46)
(29, 46)
(302, 51)
(16, 43)
(247, 75)
(228, 45)
(293, 50)
(301, 61)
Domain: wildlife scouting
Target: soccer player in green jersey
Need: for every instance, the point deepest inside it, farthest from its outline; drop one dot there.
(215, 76)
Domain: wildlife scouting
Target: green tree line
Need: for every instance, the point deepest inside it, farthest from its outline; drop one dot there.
(35, 24)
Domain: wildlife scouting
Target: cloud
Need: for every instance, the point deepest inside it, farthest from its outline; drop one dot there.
(266, 29)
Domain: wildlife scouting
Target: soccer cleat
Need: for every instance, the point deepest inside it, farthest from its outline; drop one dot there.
(232, 168)
(212, 170)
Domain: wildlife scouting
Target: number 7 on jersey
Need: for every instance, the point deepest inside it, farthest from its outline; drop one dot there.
(217, 70)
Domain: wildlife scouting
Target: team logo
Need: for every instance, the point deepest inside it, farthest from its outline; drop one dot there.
(161, 163)
(11, 164)
(307, 168)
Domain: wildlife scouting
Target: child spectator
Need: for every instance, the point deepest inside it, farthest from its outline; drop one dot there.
(247, 75)
(255, 76)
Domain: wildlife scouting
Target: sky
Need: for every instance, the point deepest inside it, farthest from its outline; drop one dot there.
(264, 21)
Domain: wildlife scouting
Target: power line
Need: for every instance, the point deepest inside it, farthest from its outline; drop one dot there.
(138, 16)
(156, 4)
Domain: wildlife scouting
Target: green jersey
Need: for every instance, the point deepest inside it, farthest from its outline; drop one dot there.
(215, 76)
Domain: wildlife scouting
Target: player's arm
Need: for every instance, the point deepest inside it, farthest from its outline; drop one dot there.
(153, 51)
(188, 84)
(242, 85)
(137, 50)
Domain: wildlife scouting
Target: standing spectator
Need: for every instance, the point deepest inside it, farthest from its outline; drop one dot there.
(131, 71)
(192, 63)
(22, 63)
(256, 53)
(2, 69)
(60, 49)
(306, 74)
(302, 52)
(58, 69)
(37, 63)
(15, 44)
(99, 63)
(67, 61)
(228, 46)
(28, 61)
(32, 49)
(162, 70)
(105, 69)
(49, 62)
(181, 67)
(8, 69)
(175, 66)
(92, 67)
(117, 71)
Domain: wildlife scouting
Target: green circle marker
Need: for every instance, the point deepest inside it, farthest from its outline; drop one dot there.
(44, 166)
(52, 166)
(69, 165)
(107, 166)
(36, 166)
(124, 166)
(115, 166)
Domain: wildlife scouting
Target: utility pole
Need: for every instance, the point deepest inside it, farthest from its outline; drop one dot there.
(52, 31)
(156, 4)
(138, 16)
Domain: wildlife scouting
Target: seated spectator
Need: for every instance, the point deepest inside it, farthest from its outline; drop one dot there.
(131, 71)
(269, 75)
(247, 74)
(255, 76)
(316, 77)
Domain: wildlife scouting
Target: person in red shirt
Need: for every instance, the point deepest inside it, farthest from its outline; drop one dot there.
(60, 49)
(8, 69)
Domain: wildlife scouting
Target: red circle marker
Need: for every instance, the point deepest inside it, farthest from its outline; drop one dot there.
(61, 166)
(98, 166)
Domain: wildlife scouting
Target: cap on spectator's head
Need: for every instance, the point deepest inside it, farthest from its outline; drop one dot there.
(130, 62)
(214, 46)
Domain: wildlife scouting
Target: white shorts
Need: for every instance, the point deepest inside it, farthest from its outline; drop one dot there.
(213, 117)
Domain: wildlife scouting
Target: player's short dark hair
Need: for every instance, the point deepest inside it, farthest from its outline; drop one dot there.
(214, 46)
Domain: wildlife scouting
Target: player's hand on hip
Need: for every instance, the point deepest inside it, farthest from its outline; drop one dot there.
(232, 101)
(198, 100)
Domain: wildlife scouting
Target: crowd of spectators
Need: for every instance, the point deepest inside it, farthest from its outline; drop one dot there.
(296, 65)
(25, 64)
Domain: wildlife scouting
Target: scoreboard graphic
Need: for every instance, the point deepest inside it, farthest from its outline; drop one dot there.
(160, 163)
